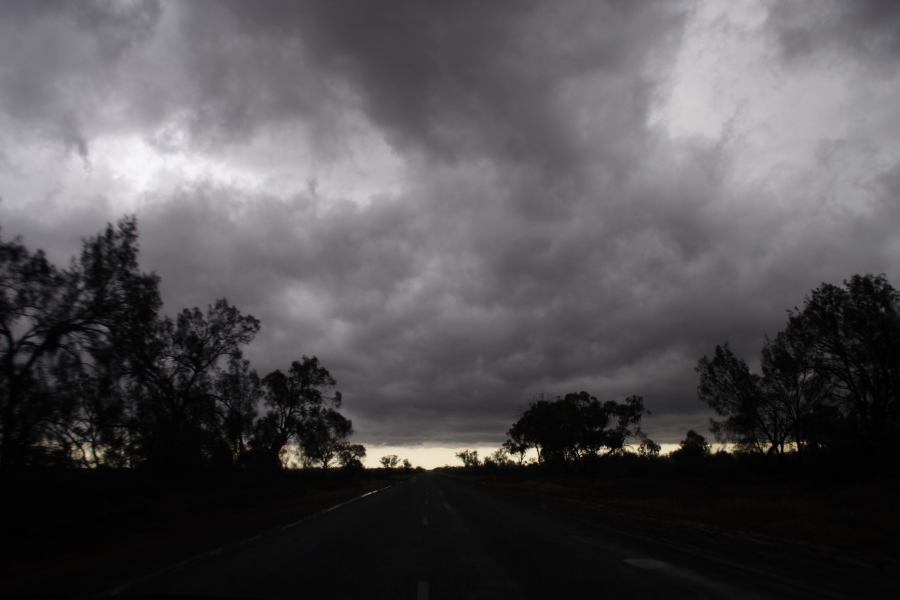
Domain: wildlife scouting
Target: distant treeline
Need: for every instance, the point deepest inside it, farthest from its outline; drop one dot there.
(91, 374)
(829, 385)
(574, 427)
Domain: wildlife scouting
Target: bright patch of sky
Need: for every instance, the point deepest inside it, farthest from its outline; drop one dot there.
(431, 457)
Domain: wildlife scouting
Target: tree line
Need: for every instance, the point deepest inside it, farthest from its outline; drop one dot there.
(829, 382)
(92, 374)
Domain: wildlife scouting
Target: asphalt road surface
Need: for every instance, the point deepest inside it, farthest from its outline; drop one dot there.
(437, 537)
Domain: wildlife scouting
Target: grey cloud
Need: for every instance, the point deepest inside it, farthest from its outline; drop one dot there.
(451, 79)
(545, 238)
(76, 70)
(470, 77)
(59, 59)
(423, 334)
(438, 347)
(870, 28)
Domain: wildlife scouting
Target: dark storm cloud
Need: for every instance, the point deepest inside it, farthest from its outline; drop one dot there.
(507, 275)
(545, 237)
(73, 70)
(869, 28)
(463, 77)
(59, 56)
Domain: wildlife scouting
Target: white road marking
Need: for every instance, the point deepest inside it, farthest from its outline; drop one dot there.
(331, 508)
(422, 591)
(648, 563)
(720, 588)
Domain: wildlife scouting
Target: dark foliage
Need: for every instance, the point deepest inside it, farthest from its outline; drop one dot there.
(830, 381)
(92, 375)
(574, 427)
(692, 451)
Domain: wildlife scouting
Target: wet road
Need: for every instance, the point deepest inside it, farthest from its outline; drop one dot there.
(438, 537)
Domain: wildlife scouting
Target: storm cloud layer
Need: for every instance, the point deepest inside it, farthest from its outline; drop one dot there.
(460, 205)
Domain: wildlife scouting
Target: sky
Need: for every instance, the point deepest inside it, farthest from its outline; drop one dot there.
(458, 206)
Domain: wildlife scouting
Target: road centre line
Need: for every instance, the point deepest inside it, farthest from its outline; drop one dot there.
(336, 506)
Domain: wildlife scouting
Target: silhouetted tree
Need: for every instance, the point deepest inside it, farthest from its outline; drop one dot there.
(175, 399)
(237, 391)
(300, 408)
(469, 458)
(830, 379)
(350, 455)
(515, 445)
(625, 420)
(322, 433)
(390, 461)
(853, 336)
(548, 426)
(100, 302)
(649, 448)
(693, 449)
(498, 458)
(88, 424)
(797, 387)
(576, 426)
(755, 419)
(91, 375)
(406, 464)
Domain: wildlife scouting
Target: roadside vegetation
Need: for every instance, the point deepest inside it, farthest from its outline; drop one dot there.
(113, 413)
(812, 436)
(828, 393)
(93, 375)
(130, 438)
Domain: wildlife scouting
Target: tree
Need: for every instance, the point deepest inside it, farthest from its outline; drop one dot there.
(469, 458)
(515, 445)
(754, 419)
(693, 448)
(88, 424)
(300, 405)
(101, 301)
(390, 461)
(321, 435)
(831, 378)
(407, 465)
(853, 333)
(626, 417)
(551, 428)
(498, 458)
(237, 391)
(575, 426)
(91, 375)
(797, 387)
(350, 456)
(648, 448)
(174, 392)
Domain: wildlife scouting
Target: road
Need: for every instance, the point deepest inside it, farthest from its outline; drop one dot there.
(437, 537)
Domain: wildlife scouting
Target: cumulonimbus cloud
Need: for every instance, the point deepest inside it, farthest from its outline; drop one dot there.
(458, 206)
